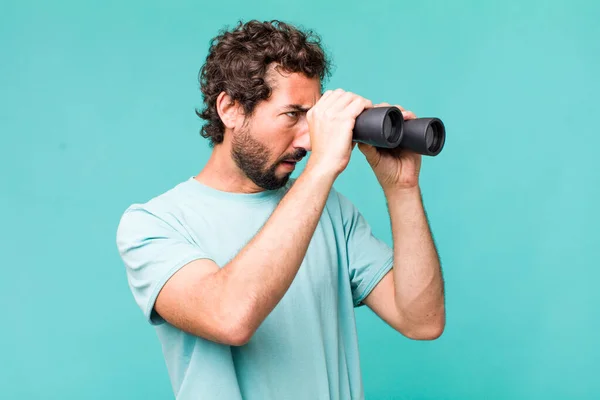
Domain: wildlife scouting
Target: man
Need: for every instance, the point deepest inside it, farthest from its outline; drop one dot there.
(251, 278)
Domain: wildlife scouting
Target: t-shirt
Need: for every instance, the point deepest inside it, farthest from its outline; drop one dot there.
(307, 347)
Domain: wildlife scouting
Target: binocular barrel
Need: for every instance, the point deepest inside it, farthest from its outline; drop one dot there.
(385, 127)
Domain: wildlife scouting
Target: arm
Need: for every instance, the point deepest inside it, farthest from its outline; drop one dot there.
(410, 298)
(228, 304)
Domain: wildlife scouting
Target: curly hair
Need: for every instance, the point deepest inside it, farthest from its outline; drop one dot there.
(238, 62)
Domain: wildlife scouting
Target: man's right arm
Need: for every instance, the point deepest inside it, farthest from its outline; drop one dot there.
(227, 304)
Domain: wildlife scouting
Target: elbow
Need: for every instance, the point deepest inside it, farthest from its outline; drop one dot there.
(225, 331)
(237, 337)
(429, 329)
(235, 323)
(427, 332)
(236, 329)
(235, 333)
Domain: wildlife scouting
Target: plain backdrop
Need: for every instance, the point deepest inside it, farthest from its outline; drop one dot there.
(97, 104)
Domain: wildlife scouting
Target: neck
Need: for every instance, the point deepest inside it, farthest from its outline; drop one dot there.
(221, 173)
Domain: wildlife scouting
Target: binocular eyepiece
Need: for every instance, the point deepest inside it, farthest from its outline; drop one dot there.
(385, 127)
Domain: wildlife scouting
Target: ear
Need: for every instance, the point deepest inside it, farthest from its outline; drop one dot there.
(228, 110)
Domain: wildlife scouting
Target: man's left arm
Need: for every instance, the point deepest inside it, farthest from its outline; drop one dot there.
(410, 298)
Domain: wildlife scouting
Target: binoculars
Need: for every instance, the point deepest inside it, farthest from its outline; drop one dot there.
(385, 127)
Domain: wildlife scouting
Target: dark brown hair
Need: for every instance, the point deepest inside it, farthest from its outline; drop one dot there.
(238, 61)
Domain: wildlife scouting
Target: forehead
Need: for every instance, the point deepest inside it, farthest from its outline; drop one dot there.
(294, 88)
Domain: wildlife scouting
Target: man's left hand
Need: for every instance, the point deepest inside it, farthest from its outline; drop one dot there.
(394, 168)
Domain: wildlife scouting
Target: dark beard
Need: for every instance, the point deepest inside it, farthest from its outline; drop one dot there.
(252, 157)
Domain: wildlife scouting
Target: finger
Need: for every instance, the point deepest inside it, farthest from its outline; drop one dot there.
(325, 99)
(357, 106)
(343, 101)
(369, 151)
(325, 95)
(324, 103)
(319, 104)
(333, 98)
(383, 105)
(408, 115)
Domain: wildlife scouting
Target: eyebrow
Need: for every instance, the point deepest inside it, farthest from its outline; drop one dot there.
(296, 107)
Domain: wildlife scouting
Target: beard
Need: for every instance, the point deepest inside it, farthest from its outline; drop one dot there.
(252, 157)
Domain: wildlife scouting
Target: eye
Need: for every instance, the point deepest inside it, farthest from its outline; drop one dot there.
(292, 114)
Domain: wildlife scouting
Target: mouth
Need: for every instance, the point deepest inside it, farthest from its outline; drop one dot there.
(289, 163)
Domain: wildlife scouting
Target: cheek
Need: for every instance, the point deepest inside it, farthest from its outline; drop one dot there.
(280, 132)
(277, 134)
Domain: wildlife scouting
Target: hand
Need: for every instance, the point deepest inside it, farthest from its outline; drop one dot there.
(331, 121)
(394, 168)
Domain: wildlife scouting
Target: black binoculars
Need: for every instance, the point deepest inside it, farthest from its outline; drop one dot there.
(385, 127)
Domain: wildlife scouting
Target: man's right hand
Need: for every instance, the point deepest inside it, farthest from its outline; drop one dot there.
(331, 121)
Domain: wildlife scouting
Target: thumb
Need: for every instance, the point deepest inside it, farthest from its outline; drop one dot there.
(369, 151)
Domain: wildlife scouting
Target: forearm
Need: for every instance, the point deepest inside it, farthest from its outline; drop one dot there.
(254, 282)
(418, 281)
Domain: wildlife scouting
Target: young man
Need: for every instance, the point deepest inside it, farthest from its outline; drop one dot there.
(251, 278)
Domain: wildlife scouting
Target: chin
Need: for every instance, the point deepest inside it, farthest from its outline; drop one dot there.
(276, 182)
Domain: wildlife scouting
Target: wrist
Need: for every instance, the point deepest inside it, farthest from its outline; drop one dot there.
(402, 193)
(320, 171)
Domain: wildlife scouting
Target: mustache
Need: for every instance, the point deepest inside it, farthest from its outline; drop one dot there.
(298, 155)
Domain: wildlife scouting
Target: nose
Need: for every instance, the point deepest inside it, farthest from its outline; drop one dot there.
(302, 139)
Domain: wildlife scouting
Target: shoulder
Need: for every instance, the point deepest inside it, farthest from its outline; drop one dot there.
(341, 203)
(344, 211)
(151, 215)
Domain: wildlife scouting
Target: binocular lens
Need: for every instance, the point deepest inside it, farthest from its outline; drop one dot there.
(387, 126)
(433, 137)
(392, 127)
(429, 136)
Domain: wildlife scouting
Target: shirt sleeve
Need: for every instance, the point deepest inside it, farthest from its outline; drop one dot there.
(369, 258)
(153, 249)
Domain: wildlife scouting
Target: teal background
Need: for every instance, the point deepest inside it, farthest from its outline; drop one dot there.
(97, 106)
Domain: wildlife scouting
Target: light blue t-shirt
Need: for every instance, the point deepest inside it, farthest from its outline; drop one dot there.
(307, 348)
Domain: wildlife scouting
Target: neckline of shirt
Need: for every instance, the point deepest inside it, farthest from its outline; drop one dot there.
(257, 197)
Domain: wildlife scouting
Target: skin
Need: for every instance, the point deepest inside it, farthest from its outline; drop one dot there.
(227, 304)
